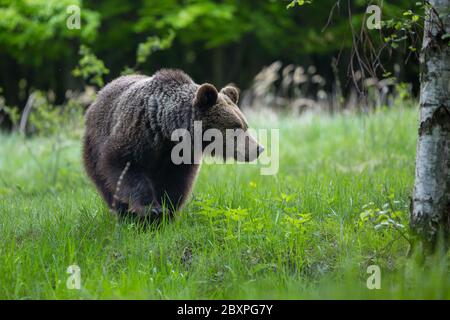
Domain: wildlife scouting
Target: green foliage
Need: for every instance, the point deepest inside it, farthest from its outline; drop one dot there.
(221, 36)
(403, 93)
(47, 119)
(32, 31)
(147, 48)
(386, 217)
(13, 113)
(44, 117)
(405, 27)
(210, 22)
(90, 68)
(153, 44)
(298, 2)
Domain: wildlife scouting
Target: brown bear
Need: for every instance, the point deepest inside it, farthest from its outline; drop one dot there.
(128, 139)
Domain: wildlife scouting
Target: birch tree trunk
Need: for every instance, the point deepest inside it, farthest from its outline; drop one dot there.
(431, 199)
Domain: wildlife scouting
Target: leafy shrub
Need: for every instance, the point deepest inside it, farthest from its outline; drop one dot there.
(90, 68)
(48, 119)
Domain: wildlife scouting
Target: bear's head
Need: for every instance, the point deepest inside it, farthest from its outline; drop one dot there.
(219, 111)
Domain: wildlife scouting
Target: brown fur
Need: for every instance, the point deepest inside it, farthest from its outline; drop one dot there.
(127, 144)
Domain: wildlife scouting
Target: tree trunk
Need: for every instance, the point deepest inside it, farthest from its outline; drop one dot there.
(430, 212)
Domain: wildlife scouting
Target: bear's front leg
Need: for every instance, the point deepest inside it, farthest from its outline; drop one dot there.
(173, 184)
(135, 188)
(129, 184)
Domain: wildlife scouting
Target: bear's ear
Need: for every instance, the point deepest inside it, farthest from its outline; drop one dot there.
(206, 96)
(232, 92)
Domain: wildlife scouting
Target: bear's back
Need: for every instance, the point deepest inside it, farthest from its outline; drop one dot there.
(117, 98)
(99, 116)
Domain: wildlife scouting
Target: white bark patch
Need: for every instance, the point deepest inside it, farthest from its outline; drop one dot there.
(431, 198)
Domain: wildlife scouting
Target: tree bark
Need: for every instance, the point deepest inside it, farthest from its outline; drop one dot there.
(430, 212)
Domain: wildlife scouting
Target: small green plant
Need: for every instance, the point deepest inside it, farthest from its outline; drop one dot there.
(296, 223)
(384, 218)
(153, 44)
(408, 27)
(298, 3)
(90, 68)
(11, 112)
(403, 28)
(147, 48)
(47, 119)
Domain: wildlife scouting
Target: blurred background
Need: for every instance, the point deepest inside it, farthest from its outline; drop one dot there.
(288, 59)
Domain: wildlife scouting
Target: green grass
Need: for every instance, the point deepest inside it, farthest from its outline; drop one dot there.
(295, 235)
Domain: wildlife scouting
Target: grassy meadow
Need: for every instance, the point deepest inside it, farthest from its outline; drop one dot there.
(338, 204)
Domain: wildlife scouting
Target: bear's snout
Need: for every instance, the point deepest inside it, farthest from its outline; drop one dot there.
(247, 149)
(260, 149)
